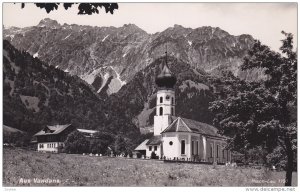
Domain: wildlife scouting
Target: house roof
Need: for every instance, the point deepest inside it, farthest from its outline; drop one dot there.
(180, 124)
(155, 140)
(11, 129)
(142, 146)
(54, 130)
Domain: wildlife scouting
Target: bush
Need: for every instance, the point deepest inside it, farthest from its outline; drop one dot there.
(138, 155)
(18, 139)
(153, 155)
(101, 142)
(77, 143)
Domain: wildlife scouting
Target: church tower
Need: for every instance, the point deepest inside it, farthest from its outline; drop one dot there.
(165, 102)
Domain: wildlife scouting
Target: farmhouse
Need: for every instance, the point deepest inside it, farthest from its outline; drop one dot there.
(178, 137)
(51, 138)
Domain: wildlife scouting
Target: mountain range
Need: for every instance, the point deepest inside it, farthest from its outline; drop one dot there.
(109, 57)
(103, 77)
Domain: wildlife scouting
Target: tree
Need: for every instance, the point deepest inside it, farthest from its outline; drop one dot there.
(123, 145)
(76, 143)
(120, 145)
(262, 113)
(84, 8)
(101, 142)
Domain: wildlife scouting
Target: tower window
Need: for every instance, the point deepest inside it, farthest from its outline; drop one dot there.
(160, 111)
(161, 99)
(167, 97)
(217, 151)
(172, 111)
(182, 147)
(172, 101)
(211, 150)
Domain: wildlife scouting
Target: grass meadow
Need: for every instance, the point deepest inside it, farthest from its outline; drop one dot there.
(79, 170)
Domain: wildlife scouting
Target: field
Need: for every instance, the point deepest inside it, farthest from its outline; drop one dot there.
(78, 170)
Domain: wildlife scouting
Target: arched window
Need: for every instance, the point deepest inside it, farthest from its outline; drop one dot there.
(172, 102)
(193, 148)
(182, 147)
(161, 99)
(160, 111)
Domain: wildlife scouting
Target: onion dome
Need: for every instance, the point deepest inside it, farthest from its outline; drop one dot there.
(165, 79)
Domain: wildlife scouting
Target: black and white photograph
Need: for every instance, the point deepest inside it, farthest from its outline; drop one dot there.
(142, 94)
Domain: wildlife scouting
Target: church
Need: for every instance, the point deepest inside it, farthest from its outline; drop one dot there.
(178, 137)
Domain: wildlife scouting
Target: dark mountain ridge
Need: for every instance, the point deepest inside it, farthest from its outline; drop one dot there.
(36, 94)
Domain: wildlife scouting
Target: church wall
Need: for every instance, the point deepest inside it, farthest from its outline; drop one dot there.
(210, 145)
(195, 146)
(218, 151)
(171, 151)
(161, 123)
(202, 148)
(207, 147)
(187, 139)
(215, 152)
(157, 152)
(166, 100)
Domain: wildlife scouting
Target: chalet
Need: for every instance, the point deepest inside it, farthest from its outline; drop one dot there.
(51, 138)
(178, 137)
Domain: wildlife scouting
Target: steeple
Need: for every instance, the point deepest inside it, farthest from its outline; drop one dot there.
(165, 102)
(165, 79)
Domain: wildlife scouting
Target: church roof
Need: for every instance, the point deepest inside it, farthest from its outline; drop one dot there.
(155, 140)
(180, 124)
(142, 146)
(52, 130)
(165, 79)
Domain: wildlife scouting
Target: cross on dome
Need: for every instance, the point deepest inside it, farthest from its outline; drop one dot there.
(165, 79)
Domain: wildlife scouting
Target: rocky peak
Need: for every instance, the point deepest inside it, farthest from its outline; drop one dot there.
(208, 31)
(177, 31)
(48, 23)
(132, 28)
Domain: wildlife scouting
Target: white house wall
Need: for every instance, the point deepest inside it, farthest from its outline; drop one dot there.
(49, 146)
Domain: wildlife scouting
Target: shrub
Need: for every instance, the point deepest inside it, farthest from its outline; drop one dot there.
(76, 143)
(153, 155)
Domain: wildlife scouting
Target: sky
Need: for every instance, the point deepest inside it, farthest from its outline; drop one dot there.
(264, 21)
